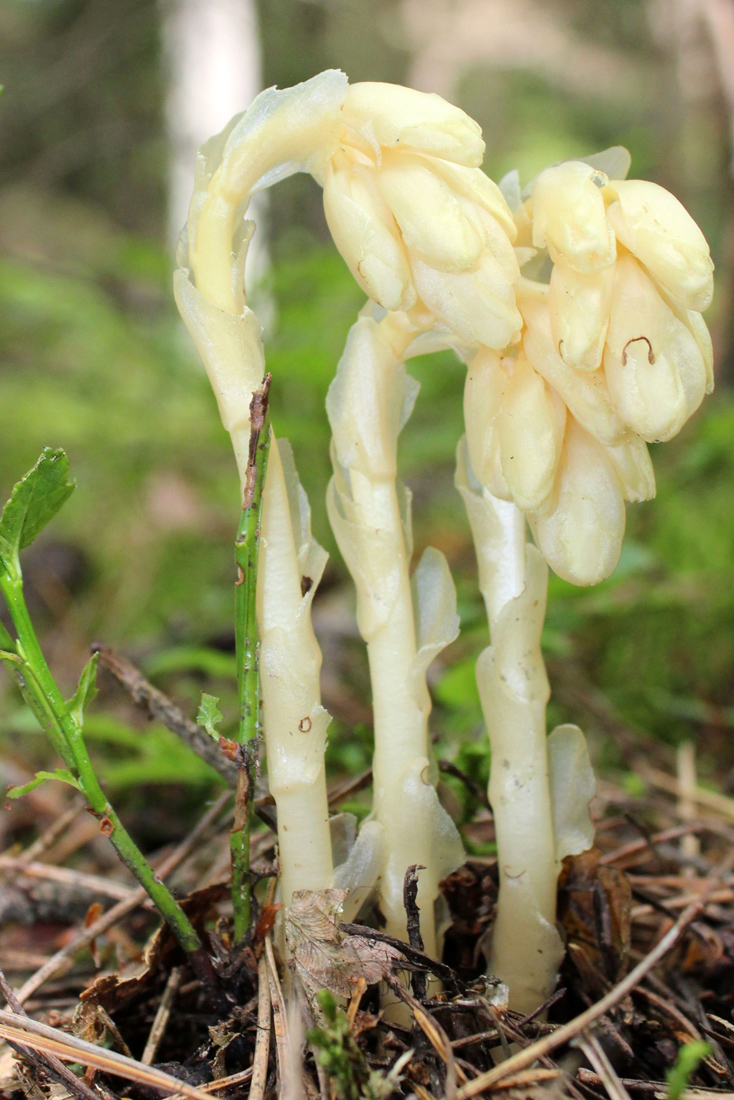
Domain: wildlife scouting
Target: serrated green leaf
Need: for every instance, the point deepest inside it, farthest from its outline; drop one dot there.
(209, 715)
(85, 692)
(61, 774)
(34, 502)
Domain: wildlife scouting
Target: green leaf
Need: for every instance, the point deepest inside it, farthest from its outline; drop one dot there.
(209, 715)
(61, 774)
(34, 502)
(685, 1066)
(85, 692)
(6, 642)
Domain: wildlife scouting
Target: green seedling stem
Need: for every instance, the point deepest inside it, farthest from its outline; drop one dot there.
(247, 547)
(26, 661)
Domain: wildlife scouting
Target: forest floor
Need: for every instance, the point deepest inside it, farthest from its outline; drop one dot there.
(643, 1006)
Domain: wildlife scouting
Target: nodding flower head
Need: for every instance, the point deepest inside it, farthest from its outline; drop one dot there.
(613, 353)
(596, 348)
(420, 225)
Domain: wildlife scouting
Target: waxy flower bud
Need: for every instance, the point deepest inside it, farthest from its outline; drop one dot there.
(531, 423)
(585, 392)
(633, 465)
(580, 528)
(421, 227)
(579, 314)
(478, 188)
(570, 218)
(486, 383)
(388, 115)
(366, 234)
(431, 218)
(477, 305)
(660, 232)
(654, 367)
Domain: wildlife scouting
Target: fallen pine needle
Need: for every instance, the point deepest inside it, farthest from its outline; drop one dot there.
(37, 1036)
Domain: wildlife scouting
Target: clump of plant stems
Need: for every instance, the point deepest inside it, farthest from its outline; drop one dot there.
(576, 305)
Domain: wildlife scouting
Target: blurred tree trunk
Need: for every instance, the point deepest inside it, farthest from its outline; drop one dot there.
(212, 52)
(699, 36)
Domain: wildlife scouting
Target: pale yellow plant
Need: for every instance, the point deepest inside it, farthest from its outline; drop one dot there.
(295, 723)
(405, 621)
(613, 354)
(577, 308)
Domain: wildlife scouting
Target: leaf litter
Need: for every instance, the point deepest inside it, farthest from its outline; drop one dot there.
(644, 1001)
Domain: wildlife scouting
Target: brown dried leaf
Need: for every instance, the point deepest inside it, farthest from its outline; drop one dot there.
(324, 957)
(594, 908)
(265, 923)
(112, 991)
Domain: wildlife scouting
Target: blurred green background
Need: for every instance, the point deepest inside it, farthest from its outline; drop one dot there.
(93, 358)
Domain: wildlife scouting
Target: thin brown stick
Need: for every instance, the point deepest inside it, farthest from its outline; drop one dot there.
(354, 1001)
(31, 1033)
(49, 836)
(262, 1041)
(95, 884)
(62, 959)
(664, 782)
(436, 1036)
(659, 1090)
(529, 1077)
(564, 1034)
(594, 1052)
(479, 1037)
(636, 846)
(349, 787)
(225, 1082)
(162, 1016)
(47, 1062)
(159, 706)
(280, 1018)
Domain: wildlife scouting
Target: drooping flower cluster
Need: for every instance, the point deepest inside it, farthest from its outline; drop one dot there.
(614, 353)
(420, 225)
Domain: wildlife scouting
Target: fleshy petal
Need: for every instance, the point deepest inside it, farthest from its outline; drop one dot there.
(530, 425)
(658, 229)
(389, 114)
(430, 217)
(632, 462)
(580, 529)
(486, 382)
(479, 305)
(476, 186)
(654, 367)
(570, 218)
(584, 392)
(365, 233)
(579, 313)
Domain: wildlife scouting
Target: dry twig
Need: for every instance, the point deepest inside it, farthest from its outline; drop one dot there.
(165, 710)
(162, 1016)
